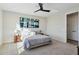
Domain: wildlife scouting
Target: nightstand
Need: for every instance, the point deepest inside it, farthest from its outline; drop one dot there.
(17, 38)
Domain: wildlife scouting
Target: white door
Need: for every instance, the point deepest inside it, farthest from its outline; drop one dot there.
(73, 26)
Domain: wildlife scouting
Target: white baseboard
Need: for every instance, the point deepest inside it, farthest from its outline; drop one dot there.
(7, 42)
(61, 40)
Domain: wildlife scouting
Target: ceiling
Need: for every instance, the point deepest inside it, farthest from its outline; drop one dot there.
(29, 8)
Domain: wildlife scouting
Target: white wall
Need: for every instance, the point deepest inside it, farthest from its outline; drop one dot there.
(9, 25)
(0, 27)
(56, 26)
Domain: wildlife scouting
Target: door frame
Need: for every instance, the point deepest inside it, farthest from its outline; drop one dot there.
(66, 23)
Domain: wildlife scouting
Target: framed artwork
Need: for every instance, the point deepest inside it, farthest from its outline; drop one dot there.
(29, 23)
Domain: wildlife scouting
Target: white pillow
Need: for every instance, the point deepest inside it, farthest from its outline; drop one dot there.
(27, 33)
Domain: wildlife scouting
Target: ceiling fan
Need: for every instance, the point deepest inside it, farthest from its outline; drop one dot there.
(41, 8)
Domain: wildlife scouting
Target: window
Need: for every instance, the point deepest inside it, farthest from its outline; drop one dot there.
(29, 23)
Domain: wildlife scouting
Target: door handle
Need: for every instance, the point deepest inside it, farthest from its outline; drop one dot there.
(73, 31)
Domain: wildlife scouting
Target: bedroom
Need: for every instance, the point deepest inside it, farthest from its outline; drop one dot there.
(51, 24)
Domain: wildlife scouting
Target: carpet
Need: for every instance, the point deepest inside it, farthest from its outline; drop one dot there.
(56, 48)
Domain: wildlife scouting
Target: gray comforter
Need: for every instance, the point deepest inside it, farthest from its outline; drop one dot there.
(36, 40)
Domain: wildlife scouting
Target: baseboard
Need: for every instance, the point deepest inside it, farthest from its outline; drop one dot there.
(7, 42)
(61, 40)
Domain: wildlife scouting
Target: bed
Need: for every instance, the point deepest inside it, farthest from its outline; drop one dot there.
(36, 40)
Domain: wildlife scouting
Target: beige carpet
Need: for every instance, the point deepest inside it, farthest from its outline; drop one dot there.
(56, 48)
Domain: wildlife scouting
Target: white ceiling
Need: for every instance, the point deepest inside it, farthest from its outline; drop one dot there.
(29, 8)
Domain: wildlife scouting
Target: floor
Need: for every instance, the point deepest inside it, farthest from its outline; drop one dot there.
(8, 49)
(72, 41)
(56, 48)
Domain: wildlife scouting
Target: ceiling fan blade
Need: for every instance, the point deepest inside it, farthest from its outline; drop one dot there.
(41, 6)
(46, 10)
(37, 10)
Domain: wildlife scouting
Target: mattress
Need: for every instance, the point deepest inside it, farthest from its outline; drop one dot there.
(36, 40)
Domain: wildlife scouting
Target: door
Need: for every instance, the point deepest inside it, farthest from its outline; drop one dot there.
(72, 26)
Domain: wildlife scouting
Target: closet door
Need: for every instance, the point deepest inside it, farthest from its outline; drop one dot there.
(78, 27)
(73, 26)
